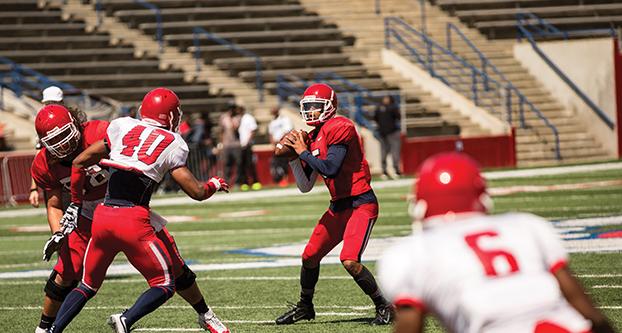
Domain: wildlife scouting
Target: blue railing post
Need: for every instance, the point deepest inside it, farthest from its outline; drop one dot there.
(197, 52)
(377, 7)
(474, 86)
(258, 65)
(158, 17)
(98, 10)
(387, 34)
(521, 111)
(508, 103)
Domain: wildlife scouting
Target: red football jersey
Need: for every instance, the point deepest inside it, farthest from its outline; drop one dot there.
(354, 176)
(49, 173)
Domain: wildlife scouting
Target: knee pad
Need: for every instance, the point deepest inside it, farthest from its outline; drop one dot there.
(186, 279)
(55, 291)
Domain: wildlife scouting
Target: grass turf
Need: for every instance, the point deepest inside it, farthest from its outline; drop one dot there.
(252, 298)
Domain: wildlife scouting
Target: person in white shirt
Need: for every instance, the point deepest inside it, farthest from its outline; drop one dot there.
(278, 127)
(477, 272)
(247, 173)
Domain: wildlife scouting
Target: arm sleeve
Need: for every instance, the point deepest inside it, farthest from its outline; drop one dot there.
(554, 254)
(396, 277)
(78, 177)
(329, 167)
(178, 156)
(305, 179)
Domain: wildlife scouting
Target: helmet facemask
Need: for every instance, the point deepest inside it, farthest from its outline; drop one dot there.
(62, 142)
(315, 111)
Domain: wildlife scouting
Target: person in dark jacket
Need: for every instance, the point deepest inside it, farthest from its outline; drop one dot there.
(388, 117)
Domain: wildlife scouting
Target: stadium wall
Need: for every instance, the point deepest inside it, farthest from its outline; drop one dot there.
(490, 151)
(590, 64)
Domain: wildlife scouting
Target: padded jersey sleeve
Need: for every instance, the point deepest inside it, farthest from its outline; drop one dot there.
(398, 275)
(94, 131)
(179, 155)
(341, 134)
(112, 131)
(40, 173)
(553, 253)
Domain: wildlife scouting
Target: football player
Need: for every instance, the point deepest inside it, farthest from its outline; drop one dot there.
(477, 272)
(63, 137)
(140, 152)
(335, 152)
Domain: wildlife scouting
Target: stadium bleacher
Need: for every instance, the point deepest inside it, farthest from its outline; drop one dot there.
(497, 18)
(288, 39)
(41, 39)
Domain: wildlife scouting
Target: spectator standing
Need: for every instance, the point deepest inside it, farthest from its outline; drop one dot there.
(230, 140)
(247, 173)
(278, 127)
(388, 117)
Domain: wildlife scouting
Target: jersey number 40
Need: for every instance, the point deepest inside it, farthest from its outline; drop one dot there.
(150, 147)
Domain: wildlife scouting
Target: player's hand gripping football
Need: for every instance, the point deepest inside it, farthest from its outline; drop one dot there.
(296, 141)
(219, 184)
(52, 245)
(70, 219)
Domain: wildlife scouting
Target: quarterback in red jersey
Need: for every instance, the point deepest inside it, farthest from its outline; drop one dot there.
(335, 153)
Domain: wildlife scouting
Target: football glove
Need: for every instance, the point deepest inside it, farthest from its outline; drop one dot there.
(52, 245)
(219, 184)
(70, 219)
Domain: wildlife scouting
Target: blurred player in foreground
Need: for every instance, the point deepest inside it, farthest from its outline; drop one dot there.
(140, 153)
(477, 272)
(335, 152)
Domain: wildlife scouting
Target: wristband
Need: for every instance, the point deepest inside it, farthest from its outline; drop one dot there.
(34, 189)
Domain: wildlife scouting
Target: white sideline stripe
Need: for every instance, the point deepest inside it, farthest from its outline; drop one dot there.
(253, 278)
(607, 286)
(207, 278)
(321, 189)
(182, 307)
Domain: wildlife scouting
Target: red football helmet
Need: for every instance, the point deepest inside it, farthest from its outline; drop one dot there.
(449, 183)
(57, 130)
(160, 107)
(318, 97)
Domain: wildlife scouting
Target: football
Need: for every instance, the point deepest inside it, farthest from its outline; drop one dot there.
(281, 150)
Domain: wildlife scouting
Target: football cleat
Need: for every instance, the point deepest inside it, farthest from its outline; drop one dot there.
(298, 312)
(40, 330)
(209, 322)
(384, 315)
(117, 322)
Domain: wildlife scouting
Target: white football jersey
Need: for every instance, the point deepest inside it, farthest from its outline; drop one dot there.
(481, 273)
(143, 148)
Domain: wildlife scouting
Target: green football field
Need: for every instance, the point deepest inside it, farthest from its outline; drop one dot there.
(249, 299)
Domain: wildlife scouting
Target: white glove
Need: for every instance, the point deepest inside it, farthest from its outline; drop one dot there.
(52, 245)
(70, 219)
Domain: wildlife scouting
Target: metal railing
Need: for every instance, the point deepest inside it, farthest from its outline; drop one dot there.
(158, 17)
(198, 31)
(24, 81)
(501, 98)
(543, 28)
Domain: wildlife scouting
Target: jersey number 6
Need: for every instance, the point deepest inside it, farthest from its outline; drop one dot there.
(150, 148)
(489, 258)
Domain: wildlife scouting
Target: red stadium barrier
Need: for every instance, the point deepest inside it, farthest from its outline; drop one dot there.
(15, 177)
(492, 151)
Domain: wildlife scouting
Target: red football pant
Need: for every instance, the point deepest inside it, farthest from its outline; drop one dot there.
(551, 327)
(353, 226)
(71, 251)
(127, 230)
(177, 262)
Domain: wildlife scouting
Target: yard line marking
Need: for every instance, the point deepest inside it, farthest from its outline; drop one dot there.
(207, 278)
(607, 286)
(589, 276)
(220, 307)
